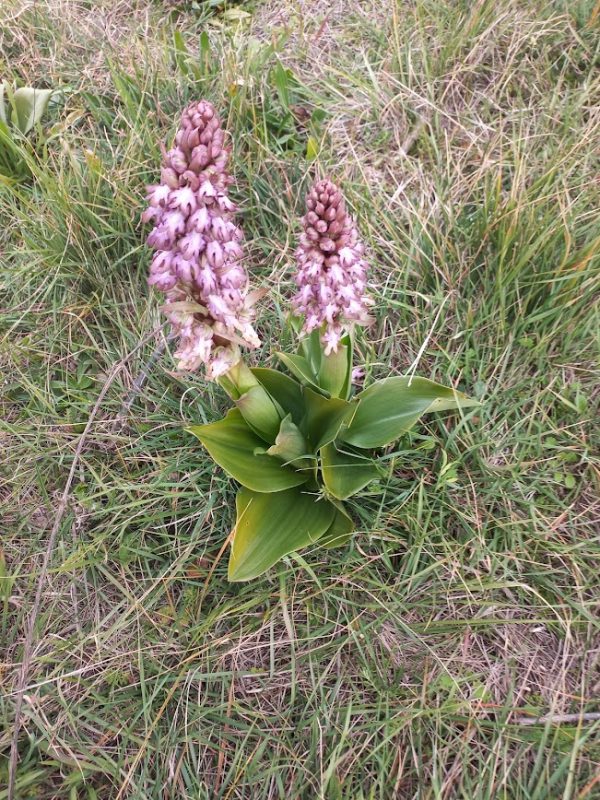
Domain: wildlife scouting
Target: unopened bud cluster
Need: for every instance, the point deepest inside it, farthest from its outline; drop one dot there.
(198, 258)
(332, 273)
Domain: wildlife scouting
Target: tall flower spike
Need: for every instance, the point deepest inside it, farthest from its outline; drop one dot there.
(332, 273)
(198, 258)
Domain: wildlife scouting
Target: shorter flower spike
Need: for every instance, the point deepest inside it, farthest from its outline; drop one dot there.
(198, 258)
(332, 273)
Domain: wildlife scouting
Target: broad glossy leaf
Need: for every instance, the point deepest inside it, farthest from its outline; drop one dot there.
(260, 413)
(333, 373)
(29, 106)
(290, 444)
(340, 530)
(284, 390)
(299, 367)
(232, 445)
(269, 526)
(390, 407)
(324, 417)
(344, 473)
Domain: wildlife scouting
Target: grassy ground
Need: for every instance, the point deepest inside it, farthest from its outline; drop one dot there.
(405, 665)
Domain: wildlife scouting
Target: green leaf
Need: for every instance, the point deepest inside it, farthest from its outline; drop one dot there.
(29, 106)
(181, 52)
(229, 386)
(260, 413)
(286, 392)
(312, 350)
(231, 443)
(269, 526)
(324, 417)
(281, 77)
(348, 343)
(333, 374)
(299, 366)
(6, 580)
(340, 530)
(296, 323)
(345, 473)
(290, 444)
(204, 50)
(3, 117)
(390, 407)
(329, 374)
(236, 15)
(312, 148)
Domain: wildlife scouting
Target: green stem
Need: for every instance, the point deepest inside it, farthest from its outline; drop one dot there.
(238, 380)
(256, 405)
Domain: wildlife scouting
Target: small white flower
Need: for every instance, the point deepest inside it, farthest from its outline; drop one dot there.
(207, 278)
(184, 199)
(222, 229)
(173, 223)
(221, 361)
(184, 269)
(159, 195)
(347, 256)
(200, 220)
(151, 213)
(214, 254)
(207, 190)
(331, 339)
(192, 245)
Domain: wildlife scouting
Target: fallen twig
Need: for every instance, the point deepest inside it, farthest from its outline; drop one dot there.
(141, 380)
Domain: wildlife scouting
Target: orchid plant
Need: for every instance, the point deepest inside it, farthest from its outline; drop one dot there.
(298, 440)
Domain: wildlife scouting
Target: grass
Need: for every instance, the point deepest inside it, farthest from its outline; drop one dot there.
(465, 136)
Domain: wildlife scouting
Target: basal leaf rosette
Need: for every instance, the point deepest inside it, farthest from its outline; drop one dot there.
(298, 453)
(282, 505)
